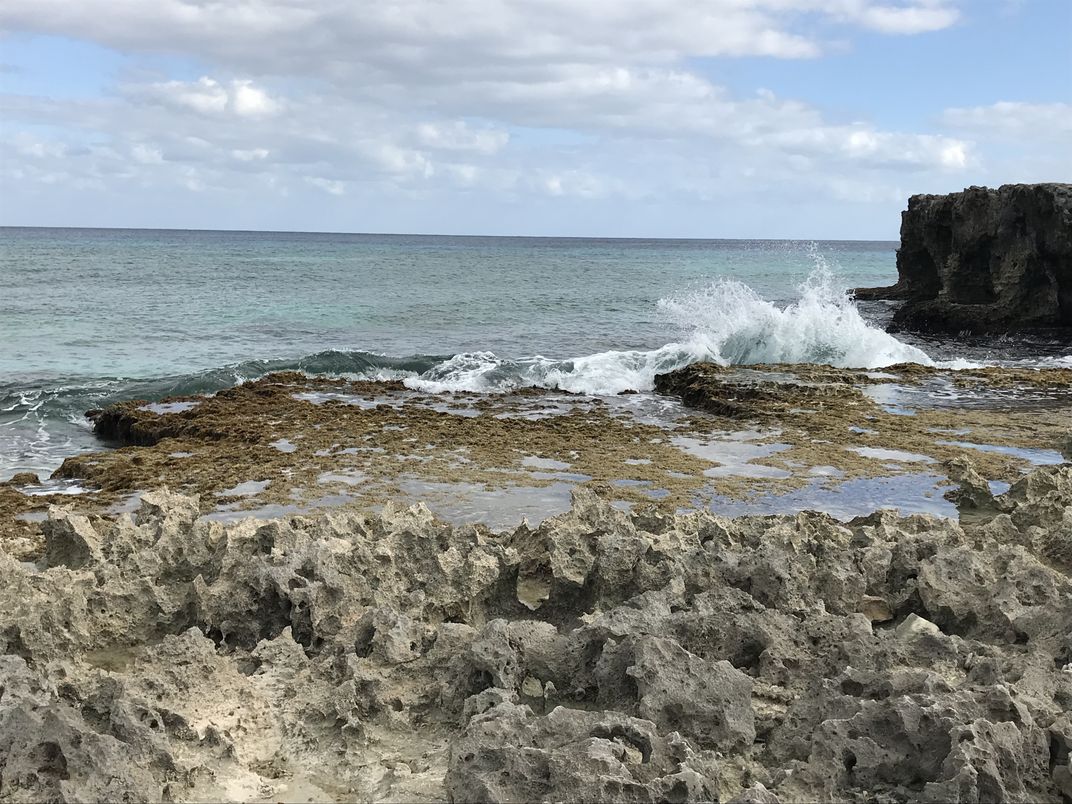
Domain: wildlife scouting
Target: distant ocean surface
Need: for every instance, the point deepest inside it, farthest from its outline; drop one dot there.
(92, 316)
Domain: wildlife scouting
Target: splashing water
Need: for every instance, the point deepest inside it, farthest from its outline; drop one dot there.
(725, 322)
(737, 326)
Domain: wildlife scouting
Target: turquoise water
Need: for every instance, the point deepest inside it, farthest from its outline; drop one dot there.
(91, 316)
(145, 303)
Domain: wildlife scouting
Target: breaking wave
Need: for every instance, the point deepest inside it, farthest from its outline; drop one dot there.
(725, 321)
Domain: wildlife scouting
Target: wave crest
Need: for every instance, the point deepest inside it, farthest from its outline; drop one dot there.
(823, 325)
(725, 321)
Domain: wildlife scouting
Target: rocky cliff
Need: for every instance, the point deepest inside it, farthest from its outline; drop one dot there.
(985, 260)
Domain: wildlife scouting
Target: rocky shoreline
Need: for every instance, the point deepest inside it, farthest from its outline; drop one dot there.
(712, 437)
(157, 644)
(598, 656)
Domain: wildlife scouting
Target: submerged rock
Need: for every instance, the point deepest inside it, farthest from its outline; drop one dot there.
(984, 260)
(600, 656)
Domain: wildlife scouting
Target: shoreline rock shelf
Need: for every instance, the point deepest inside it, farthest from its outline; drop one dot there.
(685, 657)
(984, 261)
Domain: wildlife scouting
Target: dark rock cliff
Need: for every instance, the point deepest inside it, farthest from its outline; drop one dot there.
(985, 260)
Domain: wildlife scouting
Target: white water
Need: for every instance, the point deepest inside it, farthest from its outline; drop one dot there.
(725, 322)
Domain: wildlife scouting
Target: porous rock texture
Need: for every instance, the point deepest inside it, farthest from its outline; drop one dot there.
(600, 656)
(985, 260)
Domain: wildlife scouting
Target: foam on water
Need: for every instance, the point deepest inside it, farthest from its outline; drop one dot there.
(725, 321)
(823, 325)
(1057, 362)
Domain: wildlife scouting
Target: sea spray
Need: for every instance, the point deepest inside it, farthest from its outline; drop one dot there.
(823, 325)
(724, 321)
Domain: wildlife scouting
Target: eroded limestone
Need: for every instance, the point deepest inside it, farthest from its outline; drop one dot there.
(358, 656)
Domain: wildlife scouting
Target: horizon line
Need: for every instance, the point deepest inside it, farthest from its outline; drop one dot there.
(440, 234)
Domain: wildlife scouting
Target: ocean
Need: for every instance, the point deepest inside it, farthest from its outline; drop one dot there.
(89, 316)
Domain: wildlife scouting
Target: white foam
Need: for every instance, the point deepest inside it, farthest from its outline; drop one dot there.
(725, 322)
(1056, 362)
(823, 325)
(469, 371)
(959, 364)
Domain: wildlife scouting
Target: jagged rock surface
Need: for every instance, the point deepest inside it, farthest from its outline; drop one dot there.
(985, 260)
(598, 656)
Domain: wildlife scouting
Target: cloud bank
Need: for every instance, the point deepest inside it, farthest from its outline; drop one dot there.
(422, 101)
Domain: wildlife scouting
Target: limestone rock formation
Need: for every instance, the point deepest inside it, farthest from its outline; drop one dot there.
(984, 260)
(390, 656)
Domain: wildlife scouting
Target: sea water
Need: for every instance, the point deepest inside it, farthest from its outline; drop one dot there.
(92, 316)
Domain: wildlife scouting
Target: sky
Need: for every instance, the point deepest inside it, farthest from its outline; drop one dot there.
(615, 118)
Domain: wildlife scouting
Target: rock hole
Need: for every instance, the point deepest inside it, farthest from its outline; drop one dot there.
(363, 644)
(248, 665)
(1058, 752)
(15, 645)
(853, 688)
(746, 657)
(479, 681)
(678, 794)
(51, 761)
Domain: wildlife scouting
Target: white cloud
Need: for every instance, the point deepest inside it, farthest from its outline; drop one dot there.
(572, 100)
(678, 120)
(249, 101)
(458, 135)
(954, 155)
(327, 185)
(1017, 141)
(913, 19)
(397, 159)
(192, 179)
(208, 96)
(463, 37)
(30, 146)
(250, 154)
(146, 154)
(1008, 119)
(579, 183)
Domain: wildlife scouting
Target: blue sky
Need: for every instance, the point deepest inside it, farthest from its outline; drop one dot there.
(676, 118)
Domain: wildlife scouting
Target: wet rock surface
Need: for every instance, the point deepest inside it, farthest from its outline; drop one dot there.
(774, 438)
(597, 656)
(985, 260)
